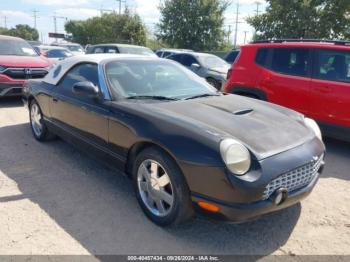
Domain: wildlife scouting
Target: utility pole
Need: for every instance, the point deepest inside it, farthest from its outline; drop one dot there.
(257, 7)
(5, 21)
(35, 16)
(229, 33)
(120, 5)
(245, 36)
(236, 27)
(55, 17)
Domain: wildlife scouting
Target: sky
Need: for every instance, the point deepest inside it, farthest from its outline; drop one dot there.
(14, 12)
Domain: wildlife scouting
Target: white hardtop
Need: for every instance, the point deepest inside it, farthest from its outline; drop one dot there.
(56, 73)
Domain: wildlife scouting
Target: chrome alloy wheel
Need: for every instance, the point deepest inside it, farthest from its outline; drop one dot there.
(155, 188)
(35, 120)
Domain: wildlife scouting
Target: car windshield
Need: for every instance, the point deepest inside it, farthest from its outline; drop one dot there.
(155, 78)
(16, 47)
(136, 50)
(74, 48)
(212, 61)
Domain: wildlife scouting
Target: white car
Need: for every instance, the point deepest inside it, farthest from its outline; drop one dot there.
(74, 48)
(54, 53)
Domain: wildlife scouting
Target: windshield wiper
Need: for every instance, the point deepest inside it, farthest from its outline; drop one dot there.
(201, 95)
(152, 97)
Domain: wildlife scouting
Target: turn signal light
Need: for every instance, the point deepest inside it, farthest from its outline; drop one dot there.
(208, 206)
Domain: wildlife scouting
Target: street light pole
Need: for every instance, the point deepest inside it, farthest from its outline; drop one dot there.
(236, 26)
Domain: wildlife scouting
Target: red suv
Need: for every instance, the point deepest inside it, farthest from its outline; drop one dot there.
(18, 62)
(308, 76)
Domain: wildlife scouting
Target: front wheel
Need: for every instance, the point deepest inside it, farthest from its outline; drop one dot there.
(161, 189)
(39, 129)
(214, 83)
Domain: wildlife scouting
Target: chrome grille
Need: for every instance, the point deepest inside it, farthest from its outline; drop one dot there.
(25, 73)
(294, 179)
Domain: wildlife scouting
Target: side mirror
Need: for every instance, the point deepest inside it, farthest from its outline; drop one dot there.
(85, 89)
(195, 67)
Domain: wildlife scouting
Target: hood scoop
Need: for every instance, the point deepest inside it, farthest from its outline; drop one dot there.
(243, 112)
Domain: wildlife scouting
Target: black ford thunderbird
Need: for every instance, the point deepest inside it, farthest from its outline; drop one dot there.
(185, 146)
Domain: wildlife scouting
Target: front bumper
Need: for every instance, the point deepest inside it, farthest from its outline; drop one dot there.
(241, 198)
(238, 213)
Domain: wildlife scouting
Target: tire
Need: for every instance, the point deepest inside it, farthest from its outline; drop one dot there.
(214, 83)
(151, 192)
(37, 125)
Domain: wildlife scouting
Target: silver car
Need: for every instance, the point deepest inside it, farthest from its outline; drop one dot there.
(211, 67)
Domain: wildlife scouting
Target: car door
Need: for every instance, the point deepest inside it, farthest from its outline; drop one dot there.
(330, 87)
(83, 118)
(287, 80)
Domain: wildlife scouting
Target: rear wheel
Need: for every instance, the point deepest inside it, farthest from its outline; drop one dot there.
(39, 129)
(161, 189)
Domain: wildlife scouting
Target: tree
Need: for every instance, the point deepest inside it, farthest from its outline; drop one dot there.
(192, 24)
(112, 28)
(23, 31)
(303, 19)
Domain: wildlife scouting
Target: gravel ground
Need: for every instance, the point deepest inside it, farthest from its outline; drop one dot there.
(56, 200)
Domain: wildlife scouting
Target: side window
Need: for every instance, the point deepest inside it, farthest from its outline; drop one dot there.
(333, 65)
(290, 61)
(188, 60)
(176, 58)
(165, 54)
(261, 56)
(231, 57)
(79, 73)
(98, 50)
(111, 50)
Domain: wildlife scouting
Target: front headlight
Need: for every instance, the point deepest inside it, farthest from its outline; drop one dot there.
(235, 155)
(313, 126)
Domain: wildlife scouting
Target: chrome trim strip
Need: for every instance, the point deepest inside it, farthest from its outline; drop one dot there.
(23, 68)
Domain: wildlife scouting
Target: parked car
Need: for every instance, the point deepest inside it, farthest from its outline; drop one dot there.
(185, 145)
(211, 67)
(231, 56)
(120, 49)
(308, 76)
(55, 53)
(74, 48)
(165, 52)
(18, 62)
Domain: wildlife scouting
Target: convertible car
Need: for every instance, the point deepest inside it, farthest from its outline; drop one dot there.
(186, 146)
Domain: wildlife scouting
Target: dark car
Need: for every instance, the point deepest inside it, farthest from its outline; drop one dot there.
(231, 56)
(165, 52)
(186, 146)
(210, 67)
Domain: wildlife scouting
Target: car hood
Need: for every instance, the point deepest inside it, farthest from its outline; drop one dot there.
(262, 128)
(220, 70)
(23, 61)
